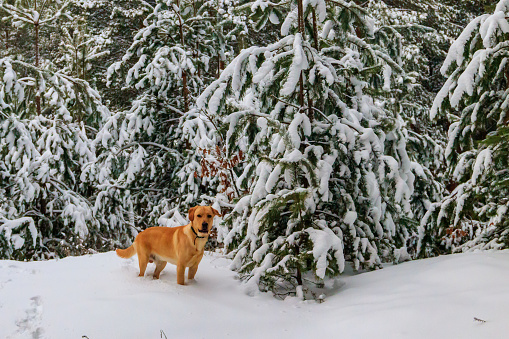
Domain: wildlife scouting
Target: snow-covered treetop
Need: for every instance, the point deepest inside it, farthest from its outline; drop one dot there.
(28, 12)
(469, 56)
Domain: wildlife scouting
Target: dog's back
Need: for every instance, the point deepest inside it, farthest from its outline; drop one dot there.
(153, 240)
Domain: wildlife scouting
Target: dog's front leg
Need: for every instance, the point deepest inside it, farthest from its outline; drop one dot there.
(192, 271)
(181, 270)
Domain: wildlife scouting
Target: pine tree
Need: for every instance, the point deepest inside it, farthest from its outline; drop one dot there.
(79, 51)
(310, 117)
(144, 170)
(46, 123)
(418, 48)
(474, 99)
(111, 25)
(5, 35)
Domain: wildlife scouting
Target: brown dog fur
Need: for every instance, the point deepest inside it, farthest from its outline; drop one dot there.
(177, 245)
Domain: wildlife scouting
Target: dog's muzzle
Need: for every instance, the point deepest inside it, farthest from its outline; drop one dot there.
(204, 227)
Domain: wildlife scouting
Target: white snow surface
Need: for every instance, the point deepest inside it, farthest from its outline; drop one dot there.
(101, 296)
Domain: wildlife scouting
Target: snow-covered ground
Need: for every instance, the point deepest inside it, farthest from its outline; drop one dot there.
(100, 296)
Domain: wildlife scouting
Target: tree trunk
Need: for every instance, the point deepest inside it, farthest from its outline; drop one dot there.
(300, 20)
(76, 58)
(197, 54)
(301, 92)
(506, 118)
(6, 38)
(299, 273)
(315, 30)
(310, 108)
(84, 62)
(299, 277)
(300, 16)
(37, 93)
(220, 65)
(185, 91)
(37, 45)
(316, 45)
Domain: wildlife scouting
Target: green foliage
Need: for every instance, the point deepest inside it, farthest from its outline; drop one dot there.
(474, 99)
(326, 175)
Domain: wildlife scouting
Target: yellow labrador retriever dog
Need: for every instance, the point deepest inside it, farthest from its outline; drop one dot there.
(182, 246)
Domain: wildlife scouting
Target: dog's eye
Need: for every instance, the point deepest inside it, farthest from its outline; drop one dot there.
(209, 216)
(199, 216)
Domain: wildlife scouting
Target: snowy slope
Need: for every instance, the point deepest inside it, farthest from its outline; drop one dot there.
(100, 296)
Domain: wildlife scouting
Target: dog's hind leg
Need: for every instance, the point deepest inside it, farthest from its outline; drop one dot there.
(143, 259)
(160, 264)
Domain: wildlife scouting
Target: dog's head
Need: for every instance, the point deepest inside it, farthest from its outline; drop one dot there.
(202, 217)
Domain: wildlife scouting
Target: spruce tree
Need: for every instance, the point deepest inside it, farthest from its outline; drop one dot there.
(144, 170)
(418, 48)
(79, 50)
(47, 121)
(325, 175)
(111, 26)
(474, 99)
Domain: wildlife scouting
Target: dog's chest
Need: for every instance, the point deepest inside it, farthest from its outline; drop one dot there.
(168, 259)
(195, 259)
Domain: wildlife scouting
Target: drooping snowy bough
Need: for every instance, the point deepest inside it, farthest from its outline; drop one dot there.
(43, 199)
(475, 100)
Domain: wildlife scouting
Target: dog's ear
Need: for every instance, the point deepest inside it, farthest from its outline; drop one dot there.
(215, 212)
(191, 213)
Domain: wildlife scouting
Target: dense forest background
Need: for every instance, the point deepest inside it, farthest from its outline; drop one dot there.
(325, 131)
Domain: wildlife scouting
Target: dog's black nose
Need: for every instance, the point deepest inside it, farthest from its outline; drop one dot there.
(204, 224)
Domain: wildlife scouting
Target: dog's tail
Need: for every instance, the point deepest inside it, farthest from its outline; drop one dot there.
(127, 253)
